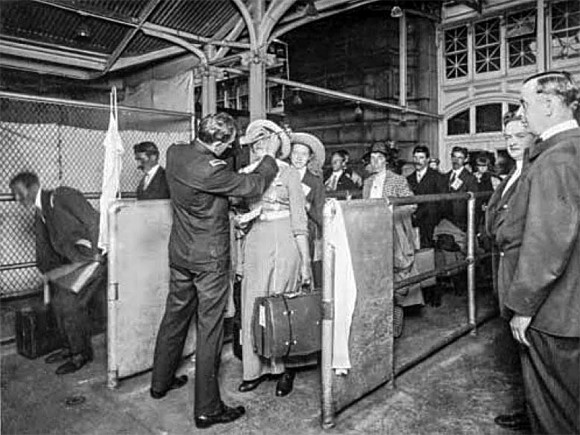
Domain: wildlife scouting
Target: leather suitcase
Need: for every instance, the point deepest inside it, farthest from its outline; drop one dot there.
(287, 325)
(36, 331)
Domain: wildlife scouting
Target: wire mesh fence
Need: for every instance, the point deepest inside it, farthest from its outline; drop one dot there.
(62, 142)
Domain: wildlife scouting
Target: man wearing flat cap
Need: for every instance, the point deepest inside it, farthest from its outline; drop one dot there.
(200, 183)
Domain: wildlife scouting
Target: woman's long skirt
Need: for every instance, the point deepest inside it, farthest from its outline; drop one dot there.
(271, 266)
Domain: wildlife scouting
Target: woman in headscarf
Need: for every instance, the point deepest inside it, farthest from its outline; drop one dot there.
(385, 183)
(307, 157)
(276, 254)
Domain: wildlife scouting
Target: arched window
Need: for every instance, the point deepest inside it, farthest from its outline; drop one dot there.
(488, 118)
(458, 124)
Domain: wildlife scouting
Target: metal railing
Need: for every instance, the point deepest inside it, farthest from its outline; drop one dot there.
(328, 298)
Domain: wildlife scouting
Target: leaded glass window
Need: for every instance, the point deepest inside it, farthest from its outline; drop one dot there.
(458, 124)
(488, 118)
(456, 52)
(487, 46)
(566, 29)
(521, 38)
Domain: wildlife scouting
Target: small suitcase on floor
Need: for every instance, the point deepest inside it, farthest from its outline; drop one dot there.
(287, 325)
(36, 331)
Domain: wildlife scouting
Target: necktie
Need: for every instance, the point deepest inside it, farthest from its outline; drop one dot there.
(453, 177)
(141, 185)
(40, 215)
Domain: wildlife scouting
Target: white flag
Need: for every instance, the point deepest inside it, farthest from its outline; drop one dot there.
(110, 188)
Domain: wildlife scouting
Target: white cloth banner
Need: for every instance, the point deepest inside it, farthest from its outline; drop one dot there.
(110, 187)
(344, 290)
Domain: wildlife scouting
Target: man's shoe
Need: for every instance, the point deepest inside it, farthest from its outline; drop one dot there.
(246, 386)
(75, 363)
(517, 421)
(285, 384)
(177, 382)
(226, 415)
(59, 356)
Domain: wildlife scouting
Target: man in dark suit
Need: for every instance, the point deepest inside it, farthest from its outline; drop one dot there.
(153, 185)
(544, 294)
(200, 183)
(338, 179)
(507, 237)
(67, 231)
(459, 180)
(425, 181)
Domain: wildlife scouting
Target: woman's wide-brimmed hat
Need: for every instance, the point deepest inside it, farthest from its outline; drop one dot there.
(311, 142)
(263, 128)
(380, 147)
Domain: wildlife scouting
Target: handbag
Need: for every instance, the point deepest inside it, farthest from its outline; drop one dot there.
(288, 324)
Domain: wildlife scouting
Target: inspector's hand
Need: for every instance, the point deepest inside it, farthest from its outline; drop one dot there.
(519, 325)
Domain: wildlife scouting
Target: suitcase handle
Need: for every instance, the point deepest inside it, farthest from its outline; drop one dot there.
(304, 288)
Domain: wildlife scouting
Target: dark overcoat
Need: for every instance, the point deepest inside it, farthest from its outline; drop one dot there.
(157, 187)
(427, 215)
(199, 185)
(546, 282)
(68, 229)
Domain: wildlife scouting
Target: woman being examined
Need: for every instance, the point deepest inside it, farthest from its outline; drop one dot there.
(385, 183)
(307, 157)
(276, 254)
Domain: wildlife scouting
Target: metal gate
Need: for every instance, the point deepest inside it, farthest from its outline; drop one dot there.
(138, 285)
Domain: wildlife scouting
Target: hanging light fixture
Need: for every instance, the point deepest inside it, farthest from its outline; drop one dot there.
(296, 100)
(311, 10)
(396, 12)
(358, 111)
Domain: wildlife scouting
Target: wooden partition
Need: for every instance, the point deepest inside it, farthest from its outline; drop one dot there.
(370, 345)
(138, 285)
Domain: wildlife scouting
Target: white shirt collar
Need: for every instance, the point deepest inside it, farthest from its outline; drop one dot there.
(458, 171)
(337, 174)
(422, 172)
(37, 201)
(151, 173)
(559, 128)
(302, 172)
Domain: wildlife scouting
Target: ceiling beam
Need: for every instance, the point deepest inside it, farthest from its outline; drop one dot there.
(178, 41)
(274, 13)
(143, 17)
(195, 38)
(232, 35)
(127, 62)
(247, 17)
(51, 55)
(43, 68)
(350, 97)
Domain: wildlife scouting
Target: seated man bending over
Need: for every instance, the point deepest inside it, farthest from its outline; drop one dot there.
(67, 231)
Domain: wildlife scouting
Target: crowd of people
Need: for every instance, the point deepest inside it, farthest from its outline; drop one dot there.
(532, 217)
